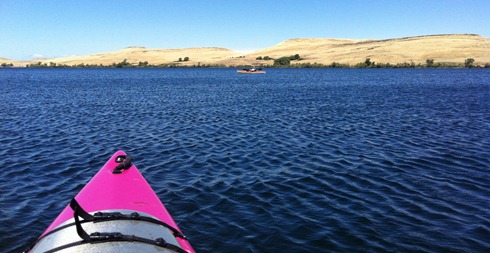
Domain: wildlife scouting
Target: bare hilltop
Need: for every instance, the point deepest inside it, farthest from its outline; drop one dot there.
(445, 48)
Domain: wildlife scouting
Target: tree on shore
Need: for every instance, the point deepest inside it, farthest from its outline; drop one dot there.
(366, 64)
(468, 63)
(123, 64)
(295, 57)
(265, 58)
(283, 61)
(429, 63)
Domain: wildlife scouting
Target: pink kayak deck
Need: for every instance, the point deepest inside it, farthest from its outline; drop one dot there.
(128, 190)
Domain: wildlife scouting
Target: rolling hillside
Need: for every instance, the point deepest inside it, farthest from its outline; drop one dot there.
(447, 48)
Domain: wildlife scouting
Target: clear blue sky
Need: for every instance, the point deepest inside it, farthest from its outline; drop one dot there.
(55, 28)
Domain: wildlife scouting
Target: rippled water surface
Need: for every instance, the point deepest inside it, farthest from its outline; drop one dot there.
(298, 160)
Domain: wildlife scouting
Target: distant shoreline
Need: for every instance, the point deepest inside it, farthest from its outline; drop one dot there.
(444, 50)
(430, 63)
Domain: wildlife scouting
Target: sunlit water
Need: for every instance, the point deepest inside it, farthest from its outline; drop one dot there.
(296, 160)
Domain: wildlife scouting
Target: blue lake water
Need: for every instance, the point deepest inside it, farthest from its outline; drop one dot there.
(296, 160)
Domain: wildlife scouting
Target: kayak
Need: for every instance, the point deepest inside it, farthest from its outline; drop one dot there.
(251, 71)
(116, 211)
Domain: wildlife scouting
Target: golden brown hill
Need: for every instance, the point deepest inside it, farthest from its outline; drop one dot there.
(454, 48)
(448, 48)
(134, 55)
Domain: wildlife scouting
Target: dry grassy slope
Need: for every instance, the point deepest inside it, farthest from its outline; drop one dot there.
(152, 56)
(205, 55)
(14, 62)
(442, 48)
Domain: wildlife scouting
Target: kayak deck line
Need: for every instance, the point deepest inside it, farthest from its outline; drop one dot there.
(109, 216)
(121, 213)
